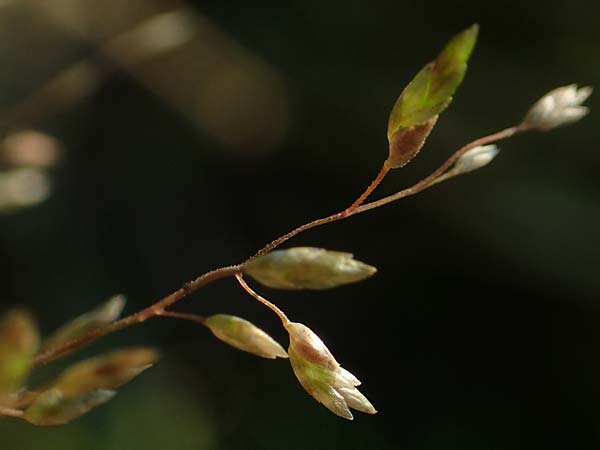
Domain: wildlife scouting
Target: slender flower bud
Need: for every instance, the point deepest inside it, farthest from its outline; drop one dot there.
(475, 159)
(108, 371)
(307, 268)
(558, 107)
(321, 375)
(53, 407)
(244, 335)
(104, 314)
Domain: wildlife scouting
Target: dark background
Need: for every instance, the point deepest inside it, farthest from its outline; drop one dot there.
(481, 328)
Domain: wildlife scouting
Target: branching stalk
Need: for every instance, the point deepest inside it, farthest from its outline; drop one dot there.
(357, 207)
(141, 316)
(414, 189)
(431, 179)
(378, 179)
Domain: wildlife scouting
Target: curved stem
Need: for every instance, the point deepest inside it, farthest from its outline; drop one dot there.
(432, 178)
(418, 187)
(159, 307)
(284, 320)
(141, 316)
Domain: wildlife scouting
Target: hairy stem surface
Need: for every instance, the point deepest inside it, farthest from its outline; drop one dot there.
(141, 316)
(357, 207)
(414, 189)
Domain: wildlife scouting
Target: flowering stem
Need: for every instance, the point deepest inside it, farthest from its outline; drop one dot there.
(158, 308)
(433, 177)
(141, 316)
(284, 320)
(378, 179)
(414, 189)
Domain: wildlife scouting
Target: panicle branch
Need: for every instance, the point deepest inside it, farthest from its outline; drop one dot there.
(413, 117)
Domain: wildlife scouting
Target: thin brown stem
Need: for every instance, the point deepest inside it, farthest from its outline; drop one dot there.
(378, 179)
(159, 307)
(284, 320)
(431, 179)
(10, 412)
(139, 317)
(185, 316)
(418, 187)
(307, 226)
